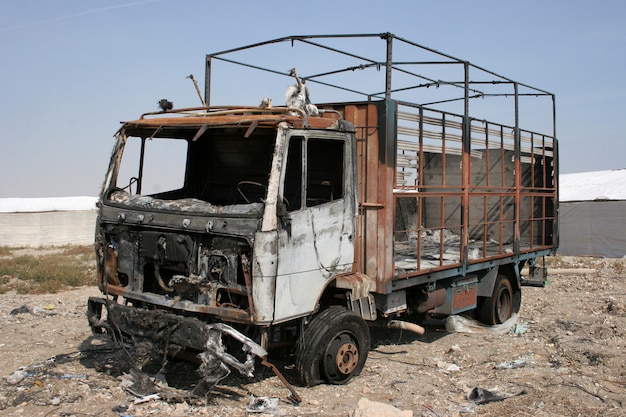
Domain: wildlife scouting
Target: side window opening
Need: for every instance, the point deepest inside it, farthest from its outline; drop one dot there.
(324, 179)
(293, 177)
(325, 161)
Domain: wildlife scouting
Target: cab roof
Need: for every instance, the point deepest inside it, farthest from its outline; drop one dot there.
(180, 122)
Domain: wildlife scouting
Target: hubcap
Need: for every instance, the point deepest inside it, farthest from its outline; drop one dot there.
(347, 358)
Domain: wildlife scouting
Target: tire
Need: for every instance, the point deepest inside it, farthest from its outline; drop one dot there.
(333, 348)
(502, 304)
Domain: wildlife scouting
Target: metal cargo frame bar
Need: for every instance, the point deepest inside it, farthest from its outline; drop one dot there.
(460, 133)
(468, 86)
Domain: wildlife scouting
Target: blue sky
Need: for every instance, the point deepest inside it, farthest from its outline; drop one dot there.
(71, 70)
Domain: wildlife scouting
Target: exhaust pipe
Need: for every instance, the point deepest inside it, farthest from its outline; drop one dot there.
(405, 325)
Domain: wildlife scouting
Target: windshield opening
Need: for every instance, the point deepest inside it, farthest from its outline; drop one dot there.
(220, 166)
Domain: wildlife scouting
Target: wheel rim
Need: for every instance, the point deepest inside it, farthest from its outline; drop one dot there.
(504, 304)
(347, 358)
(341, 358)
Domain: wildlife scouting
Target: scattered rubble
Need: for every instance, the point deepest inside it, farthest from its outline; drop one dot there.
(564, 355)
(367, 408)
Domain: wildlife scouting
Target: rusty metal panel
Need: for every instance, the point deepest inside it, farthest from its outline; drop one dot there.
(370, 242)
(358, 115)
(386, 180)
(371, 205)
(464, 295)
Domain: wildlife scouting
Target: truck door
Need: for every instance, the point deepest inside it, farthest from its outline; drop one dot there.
(316, 234)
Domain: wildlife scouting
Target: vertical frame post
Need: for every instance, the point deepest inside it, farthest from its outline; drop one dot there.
(388, 66)
(207, 81)
(518, 174)
(465, 170)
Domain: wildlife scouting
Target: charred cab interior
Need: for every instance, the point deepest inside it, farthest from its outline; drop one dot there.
(221, 166)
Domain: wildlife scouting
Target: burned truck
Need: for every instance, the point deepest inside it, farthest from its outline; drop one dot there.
(294, 228)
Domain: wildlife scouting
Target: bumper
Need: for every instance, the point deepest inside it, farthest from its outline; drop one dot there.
(170, 330)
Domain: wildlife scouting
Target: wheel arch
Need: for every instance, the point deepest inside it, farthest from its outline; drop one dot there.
(351, 290)
(510, 270)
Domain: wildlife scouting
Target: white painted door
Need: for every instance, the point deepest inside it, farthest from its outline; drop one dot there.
(316, 235)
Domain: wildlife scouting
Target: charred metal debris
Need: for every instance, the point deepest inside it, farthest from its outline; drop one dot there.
(160, 335)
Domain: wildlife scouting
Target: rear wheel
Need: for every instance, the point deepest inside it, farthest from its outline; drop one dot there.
(333, 348)
(502, 304)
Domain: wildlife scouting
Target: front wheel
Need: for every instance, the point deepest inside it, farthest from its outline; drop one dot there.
(502, 304)
(333, 348)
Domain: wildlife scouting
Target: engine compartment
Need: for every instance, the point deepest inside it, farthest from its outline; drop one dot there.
(206, 270)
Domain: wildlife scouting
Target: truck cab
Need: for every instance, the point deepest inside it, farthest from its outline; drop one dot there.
(247, 185)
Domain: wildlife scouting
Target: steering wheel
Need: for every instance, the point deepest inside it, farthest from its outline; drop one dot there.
(256, 184)
(253, 183)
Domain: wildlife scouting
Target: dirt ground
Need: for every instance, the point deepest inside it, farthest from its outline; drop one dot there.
(567, 357)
